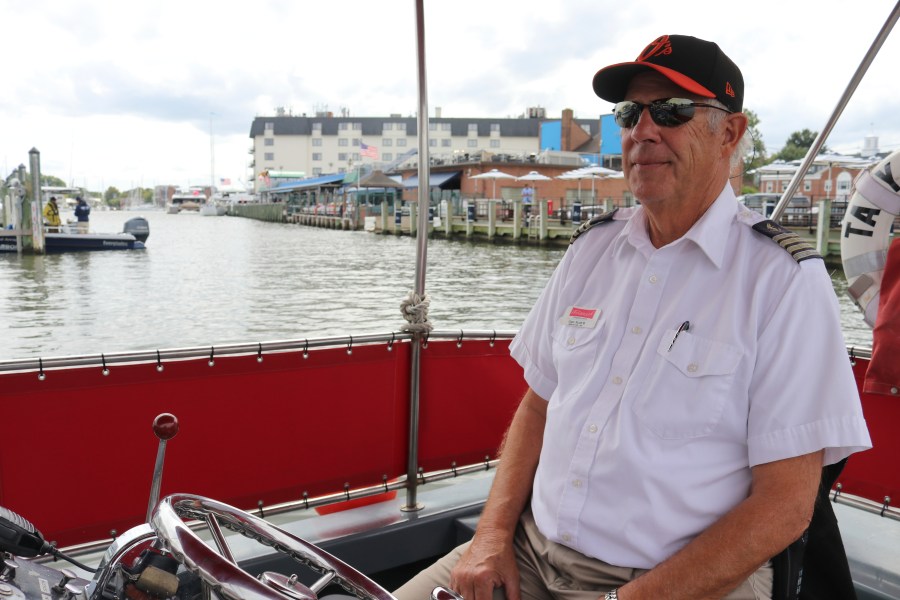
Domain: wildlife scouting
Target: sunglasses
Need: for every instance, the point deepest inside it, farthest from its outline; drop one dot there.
(665, 112)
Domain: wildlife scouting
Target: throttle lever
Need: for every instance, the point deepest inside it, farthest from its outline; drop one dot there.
(19, 537)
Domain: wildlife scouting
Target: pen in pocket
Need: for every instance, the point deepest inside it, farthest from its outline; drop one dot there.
(683, 327)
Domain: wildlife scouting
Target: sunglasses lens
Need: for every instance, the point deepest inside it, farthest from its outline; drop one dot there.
(672, 112)
(627, 113)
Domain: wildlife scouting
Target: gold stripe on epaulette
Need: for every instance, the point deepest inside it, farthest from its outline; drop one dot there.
(791, 241)
(587, 225)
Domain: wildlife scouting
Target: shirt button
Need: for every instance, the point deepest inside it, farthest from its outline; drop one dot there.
(653, 279)
(692, 368)
(592, 429)
(636, 330)
(566, 537)
(570, 341)
(576, 483)
(617, 380)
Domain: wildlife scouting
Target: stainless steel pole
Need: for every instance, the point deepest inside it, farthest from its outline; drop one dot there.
(842, 103)
(412, 465)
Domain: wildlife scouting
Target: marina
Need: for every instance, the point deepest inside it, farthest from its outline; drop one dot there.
(322, 426)
(204, 281)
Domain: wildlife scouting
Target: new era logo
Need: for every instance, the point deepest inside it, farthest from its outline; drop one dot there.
(728, 89)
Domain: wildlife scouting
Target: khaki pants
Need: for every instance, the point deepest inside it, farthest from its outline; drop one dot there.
(82, 226)
(551, 571)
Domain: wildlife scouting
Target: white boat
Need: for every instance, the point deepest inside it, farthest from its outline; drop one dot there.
(311, 440)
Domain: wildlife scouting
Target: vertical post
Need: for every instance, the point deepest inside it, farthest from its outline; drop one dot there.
(823, 227)
(37, 205)
(517, 219)
(412, 465)
(492, 218)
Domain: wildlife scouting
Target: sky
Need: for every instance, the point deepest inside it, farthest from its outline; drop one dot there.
(137, 93)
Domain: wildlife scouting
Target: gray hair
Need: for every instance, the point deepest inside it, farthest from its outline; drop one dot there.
(715, 119)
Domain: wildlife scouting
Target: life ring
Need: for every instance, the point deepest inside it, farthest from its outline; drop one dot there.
(866, 232)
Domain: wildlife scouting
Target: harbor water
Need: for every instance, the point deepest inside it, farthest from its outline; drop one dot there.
(206, 281)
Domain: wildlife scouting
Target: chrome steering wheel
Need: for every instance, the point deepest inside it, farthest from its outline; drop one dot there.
(218, 569)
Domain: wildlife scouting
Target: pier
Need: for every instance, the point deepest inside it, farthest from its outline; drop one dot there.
(506, 221)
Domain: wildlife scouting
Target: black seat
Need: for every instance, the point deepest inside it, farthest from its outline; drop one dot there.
(815, 566)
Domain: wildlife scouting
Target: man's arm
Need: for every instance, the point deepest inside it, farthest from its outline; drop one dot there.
(490, 562)
(776, 513)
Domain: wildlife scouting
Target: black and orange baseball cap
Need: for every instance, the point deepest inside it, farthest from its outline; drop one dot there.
(698, 66)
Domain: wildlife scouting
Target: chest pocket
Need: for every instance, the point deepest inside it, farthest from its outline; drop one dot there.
(688, 387)
(574, 353)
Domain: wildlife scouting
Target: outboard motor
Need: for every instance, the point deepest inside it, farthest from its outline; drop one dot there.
(138, 227)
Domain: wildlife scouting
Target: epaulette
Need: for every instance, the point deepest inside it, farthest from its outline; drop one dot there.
(602, 218)
(796, 246)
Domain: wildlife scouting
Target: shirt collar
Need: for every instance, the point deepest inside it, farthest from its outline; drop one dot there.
(710, 233)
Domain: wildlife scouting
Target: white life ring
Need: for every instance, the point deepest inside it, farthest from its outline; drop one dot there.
(866, 232)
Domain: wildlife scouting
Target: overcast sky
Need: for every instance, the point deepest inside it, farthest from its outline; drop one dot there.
(131, 93)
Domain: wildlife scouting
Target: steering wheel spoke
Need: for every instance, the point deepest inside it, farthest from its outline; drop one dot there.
(218, 569)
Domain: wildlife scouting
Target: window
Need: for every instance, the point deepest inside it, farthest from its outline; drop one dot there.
(401, 126)
(432, 126)
(317, 141)
(586, 128)
(342, 156)
(828, 186)
(807, 186)
(387, 156)
(432, 142)
(317, 171)
(357, 126)
(387, 127)
(317, 156)
(445, 143)
(343, 142)
(356, 142)
(472, 143)
(317, 127)
(355, 157)
(269, 156)
(495, 143)
(473, 129)
(769, 186)
(387, 141)
(270, 126)
(401, 142)
(343, 126)
(495, 127)
(268, 141)
(445, 126)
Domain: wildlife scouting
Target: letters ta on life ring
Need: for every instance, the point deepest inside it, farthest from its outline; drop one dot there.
(866, 232)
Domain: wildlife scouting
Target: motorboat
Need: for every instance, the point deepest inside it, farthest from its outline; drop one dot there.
(66, 238)
(280, 464)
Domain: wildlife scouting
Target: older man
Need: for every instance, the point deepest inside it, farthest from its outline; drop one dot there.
(687, 375)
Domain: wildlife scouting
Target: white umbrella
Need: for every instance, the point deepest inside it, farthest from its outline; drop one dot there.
(534, 176)
(493, 175)
(593, 172)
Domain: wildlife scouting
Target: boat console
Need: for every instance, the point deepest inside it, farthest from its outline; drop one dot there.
(183, 552)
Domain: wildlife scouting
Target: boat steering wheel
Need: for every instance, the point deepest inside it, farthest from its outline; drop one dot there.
(219, 570)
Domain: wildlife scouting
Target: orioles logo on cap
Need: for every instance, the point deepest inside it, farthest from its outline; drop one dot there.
(658, 47)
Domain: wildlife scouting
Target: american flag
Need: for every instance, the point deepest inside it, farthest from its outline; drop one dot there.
(370, 151)
(224, 181)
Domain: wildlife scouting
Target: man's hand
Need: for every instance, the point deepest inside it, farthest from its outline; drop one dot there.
(488, 563)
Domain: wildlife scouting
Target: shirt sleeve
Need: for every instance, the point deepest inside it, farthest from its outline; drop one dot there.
(803, 397)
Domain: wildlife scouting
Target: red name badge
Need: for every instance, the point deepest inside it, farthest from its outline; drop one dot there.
(576, 316)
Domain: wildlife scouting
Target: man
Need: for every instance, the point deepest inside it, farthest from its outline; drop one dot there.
(82, 210)
(51, 215)
(687, 375)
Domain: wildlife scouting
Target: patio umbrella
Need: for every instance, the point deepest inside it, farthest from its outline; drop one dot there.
(593, 173)
(493, 175)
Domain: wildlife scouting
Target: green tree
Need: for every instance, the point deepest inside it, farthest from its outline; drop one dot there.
(757, 156)
(111, 193)
(53, 181)
(797, 145)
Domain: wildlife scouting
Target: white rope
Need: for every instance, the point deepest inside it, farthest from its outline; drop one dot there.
(415, 311)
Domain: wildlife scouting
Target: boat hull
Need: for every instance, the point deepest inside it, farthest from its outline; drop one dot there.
(72, 242)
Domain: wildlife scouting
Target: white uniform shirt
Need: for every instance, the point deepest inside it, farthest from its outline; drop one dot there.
(647, 443)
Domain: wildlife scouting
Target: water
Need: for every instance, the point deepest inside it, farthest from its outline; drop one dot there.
(216, 280)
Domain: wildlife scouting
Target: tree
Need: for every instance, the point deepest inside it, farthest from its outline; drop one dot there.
(53, 181)
(111, 193)
(757, 156)
(797, 145)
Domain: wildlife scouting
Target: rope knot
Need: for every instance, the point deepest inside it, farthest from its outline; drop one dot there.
(415, 310)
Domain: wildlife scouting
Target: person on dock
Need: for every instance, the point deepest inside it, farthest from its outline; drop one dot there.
(688, 379)
(82, 213)
(51, 215)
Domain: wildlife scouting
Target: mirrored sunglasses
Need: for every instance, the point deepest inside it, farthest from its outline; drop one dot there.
(665, 112)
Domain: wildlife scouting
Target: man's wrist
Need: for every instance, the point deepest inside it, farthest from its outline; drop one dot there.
(612, 595)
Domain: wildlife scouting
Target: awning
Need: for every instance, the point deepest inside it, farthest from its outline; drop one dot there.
(445, 181)
(303, 184)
